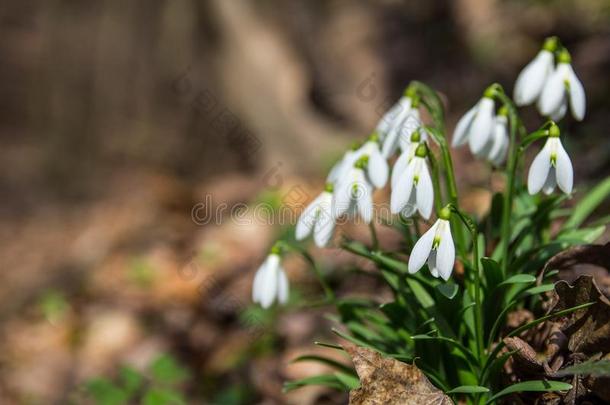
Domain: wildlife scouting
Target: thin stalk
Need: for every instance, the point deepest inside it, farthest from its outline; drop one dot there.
(513, 159)
(478, 308)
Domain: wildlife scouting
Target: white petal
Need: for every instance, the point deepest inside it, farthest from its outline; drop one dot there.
(307, 219)
(531, 80)
(400, 166)
(563, 168)
(482, 125)
(325, 225)
(432, 264)
(256, 284)
(425, 192)
(268, 281)
(421, 250)
(283, 288)
(577, 96)
(364, 200)
(445, 256)
(411, 206)
(342, 196)
(334, 173)
(462, 129)
(561, 111)
(403, 188)
(408, 126)
(554, 89)
(391, 140)
(378, 169)
(539, 170)
(551, 182)
(497, 154)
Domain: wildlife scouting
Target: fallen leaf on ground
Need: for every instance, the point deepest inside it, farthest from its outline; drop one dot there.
(385, 380)
(588, 329)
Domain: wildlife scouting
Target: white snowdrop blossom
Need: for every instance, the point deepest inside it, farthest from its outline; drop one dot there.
(497, 145)
(403, 126)
(476, 126)
(377, 167)
(270, 282)
(397, 112)
(408, 151)
(317, 217)
(561, 89)
(413, 190)
(551, 167)
(435, 247)
(354, 193)
(532, 78)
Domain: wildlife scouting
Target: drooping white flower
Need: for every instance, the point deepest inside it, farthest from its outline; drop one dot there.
(532, 78)
(317, 217)
(377, 169)
(354, 192)
(413, 190)
(551, 167)
(398, 110)
(408, 151)
(401, 131)
(497, 145)
(561, 89)
(476, 126)
(435, 247)
(270, 282)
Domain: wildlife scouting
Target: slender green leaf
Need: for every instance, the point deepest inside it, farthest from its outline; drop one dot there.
(599, 368)
(448, 290)
(588, 204)
(518, 279)
(351, 381)
(468, 389)
(327, 380)
(325, 360)
(532, 386)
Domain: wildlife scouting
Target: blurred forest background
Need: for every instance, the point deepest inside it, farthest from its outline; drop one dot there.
(118, 118)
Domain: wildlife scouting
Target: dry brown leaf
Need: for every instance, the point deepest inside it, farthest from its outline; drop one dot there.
(525, 359)
(588, 329)
(389, 381)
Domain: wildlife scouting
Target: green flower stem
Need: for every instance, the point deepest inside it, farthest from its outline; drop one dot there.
(478, 308)
(328, 292)
(451, 185)
(513, 160)
(438, 198)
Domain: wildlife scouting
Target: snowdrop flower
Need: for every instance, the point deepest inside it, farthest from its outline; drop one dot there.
(476, 126)
(270, 282)
(342, 166)
(497, 146)
(377, 169)
(436, 247)
(532, 78)
(563, 88)
(401, 130)
(413, 189)
(317, 217)
(400, 109)
(354, 192)
(408, 151)
(552, 166)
